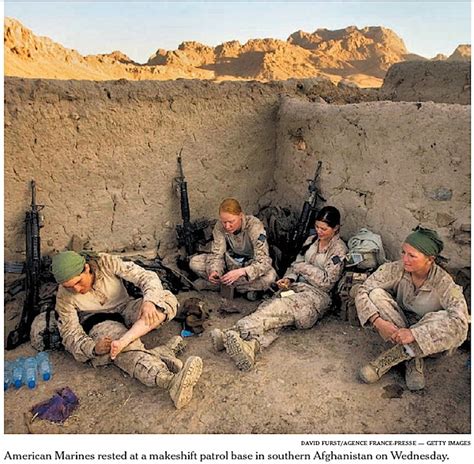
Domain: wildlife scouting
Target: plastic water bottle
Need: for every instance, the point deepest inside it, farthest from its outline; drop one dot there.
(7, 374)
(45, 368)
(31, 369)
(18, 372)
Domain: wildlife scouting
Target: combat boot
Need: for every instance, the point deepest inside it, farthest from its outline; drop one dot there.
(181, 387)
(373, 371)
(217, 339)
(167, 353)
(414, 375)
(176, 344)
(242, 352)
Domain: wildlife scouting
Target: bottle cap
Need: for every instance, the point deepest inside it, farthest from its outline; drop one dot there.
(17, 383)
(46, 376)
(31, 384)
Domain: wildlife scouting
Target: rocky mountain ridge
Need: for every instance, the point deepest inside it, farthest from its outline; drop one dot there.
(361, 56)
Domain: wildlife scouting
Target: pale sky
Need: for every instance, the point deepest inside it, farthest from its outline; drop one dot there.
(138, 29)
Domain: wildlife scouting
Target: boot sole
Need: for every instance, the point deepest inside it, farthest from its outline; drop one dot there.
(234, 349)
(191, 372)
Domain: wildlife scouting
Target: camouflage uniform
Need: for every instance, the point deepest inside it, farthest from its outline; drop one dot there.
(108, 294)
(247, 248)
(314, 274)
(436, 313)
(155, 367)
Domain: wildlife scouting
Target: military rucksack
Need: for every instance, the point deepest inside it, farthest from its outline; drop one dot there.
(365, 251)
(279, 223)
(346, 292)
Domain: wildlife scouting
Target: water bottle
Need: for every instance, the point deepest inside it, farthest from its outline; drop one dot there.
(31, 369)
(18, 372)
(45, 368)
(7, 374)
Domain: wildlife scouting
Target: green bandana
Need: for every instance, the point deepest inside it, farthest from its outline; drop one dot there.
(425, 240)
(67, 265)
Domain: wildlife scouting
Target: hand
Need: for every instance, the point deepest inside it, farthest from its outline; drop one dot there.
(214, 277)
(102, 346)
(284, 283)
(403, 337)
(150, 314)
(230, 277)
(385, 328)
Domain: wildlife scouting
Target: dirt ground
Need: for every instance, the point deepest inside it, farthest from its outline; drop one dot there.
(304, 383)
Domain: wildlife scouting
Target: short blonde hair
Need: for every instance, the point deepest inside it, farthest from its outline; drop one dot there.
(231, 206)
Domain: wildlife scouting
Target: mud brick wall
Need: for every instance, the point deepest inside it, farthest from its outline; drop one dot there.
(387, 166)
(437, 81)
(104, 156)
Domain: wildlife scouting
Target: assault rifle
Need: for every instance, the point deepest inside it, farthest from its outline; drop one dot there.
(307, 215)
(31, 307)
(189, 233)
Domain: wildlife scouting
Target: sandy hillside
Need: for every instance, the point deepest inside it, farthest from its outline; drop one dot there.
(360, 56)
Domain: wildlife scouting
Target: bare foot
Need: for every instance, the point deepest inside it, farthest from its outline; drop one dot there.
(116, 347)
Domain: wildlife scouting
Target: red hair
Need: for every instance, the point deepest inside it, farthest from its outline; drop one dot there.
(231, 206)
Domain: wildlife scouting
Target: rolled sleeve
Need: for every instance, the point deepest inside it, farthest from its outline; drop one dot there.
(147, 281)
(323, 278)
(74, 338)
(215, 261)
(385, 277)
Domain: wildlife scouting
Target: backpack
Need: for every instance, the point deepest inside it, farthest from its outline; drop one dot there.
(345, 296)
(365, 251)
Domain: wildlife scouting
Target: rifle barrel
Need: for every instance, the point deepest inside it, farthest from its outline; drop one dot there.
(33, 195)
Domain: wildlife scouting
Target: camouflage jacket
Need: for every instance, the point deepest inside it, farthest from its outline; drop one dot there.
(320, 270)
(108, 294)
(439, 299)
(249, 243)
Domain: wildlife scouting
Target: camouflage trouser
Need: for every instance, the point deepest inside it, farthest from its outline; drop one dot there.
(130, 312)
(198, 265)
(432, 333)
(140, 363)
(301, 310)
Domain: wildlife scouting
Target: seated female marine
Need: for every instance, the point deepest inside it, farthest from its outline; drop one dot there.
(91, 283)
(239, 254)
(414, 304)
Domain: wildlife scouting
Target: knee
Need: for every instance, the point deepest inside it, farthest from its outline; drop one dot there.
(378, 295)
(194, 263)
(306, 320)
(111, 329)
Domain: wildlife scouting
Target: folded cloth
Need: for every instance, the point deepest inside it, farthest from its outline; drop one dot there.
(59, 407)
